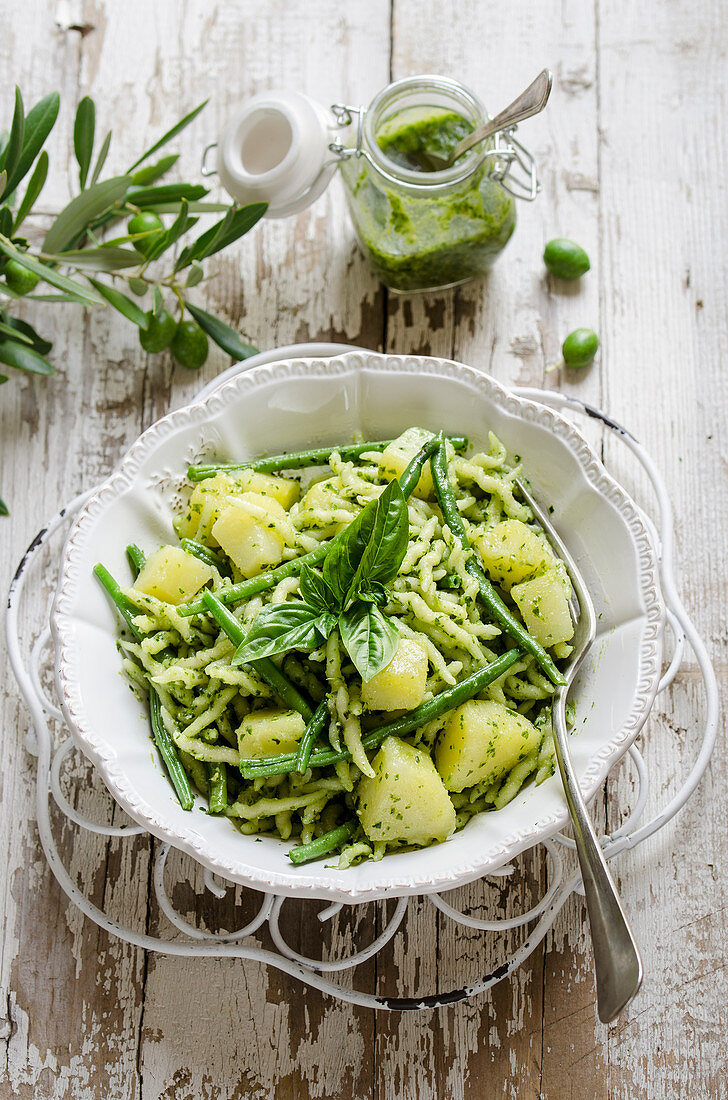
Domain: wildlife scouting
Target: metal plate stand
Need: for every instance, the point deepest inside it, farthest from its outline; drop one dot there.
(51, 751)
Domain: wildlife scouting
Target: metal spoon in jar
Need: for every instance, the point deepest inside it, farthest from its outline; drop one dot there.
(528, 103)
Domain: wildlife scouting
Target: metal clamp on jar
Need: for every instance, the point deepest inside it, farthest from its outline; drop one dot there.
(427, 215)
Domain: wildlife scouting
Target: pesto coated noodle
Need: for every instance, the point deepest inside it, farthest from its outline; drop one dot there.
(299, 744)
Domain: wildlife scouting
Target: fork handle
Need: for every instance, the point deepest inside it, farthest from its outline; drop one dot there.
(617, 959)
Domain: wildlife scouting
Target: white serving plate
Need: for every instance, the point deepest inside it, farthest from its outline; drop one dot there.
(305, 402)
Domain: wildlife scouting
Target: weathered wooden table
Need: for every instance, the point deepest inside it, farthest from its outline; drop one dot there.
(632, 155)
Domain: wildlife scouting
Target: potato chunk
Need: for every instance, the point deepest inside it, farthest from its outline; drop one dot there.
(172, 575)
(481, 741)
(405, 799)
(322, 502)
(283, 489)
(544, 605)
(400, 452)
(512, 552)
(251, 541)
(401, 684)
(209, 498)
(269, 732)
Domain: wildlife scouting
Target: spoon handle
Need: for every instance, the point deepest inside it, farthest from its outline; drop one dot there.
(528, 103)
(617, 960)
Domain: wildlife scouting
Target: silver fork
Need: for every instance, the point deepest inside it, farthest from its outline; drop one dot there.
(617, 959)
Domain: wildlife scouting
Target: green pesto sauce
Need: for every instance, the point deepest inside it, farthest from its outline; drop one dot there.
(420, 241)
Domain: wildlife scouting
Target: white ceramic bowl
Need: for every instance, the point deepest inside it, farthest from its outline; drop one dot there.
(298, 403)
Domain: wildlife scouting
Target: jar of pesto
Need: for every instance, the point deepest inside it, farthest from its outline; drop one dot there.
(421, 226)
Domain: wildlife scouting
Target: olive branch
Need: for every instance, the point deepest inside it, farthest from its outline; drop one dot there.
(85, 258)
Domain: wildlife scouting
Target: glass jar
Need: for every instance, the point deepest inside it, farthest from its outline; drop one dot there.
(421, 227)
(427, 229)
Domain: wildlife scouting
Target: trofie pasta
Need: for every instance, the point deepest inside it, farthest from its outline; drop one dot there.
(351, 649)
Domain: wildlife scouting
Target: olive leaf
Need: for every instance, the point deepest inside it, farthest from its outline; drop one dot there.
(121, 303)
(22, 328)
(224, 336)
(39, 122)
(101, 158)
(33, 190)
(154, 171)
(81, 211)
(370, 639)
(234, 225)
(10, 156)
(22, 357)
(84, 131)
(76, 291)
(176, 129)
(166, 192)
(163, 241)
(104, 258)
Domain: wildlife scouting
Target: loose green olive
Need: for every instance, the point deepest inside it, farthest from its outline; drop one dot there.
(148, 223)
(190, 345)
(18, 278)
(159, 332)
(579, 348)
(565, 258)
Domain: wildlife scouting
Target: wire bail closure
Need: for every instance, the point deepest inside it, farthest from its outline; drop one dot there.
(515, 167)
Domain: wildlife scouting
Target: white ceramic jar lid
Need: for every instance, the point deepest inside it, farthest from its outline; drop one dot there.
(275, 149)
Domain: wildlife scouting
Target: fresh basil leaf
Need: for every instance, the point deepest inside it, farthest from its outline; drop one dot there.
(235, 224)
(10, 155)
(36, 341)
(33, 190)
(369, 638)
(176, 129)
(121, 303)
(224, 336)
(371, 548)
(315, 590)
(373, 592)
(388, 537)
(281, 627)
(23, 357)
(84, 132)
(81, 211)
(77, 291)
(152, 172)
(39, 122)
(101, 158)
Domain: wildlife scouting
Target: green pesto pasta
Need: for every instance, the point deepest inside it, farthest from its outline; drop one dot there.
(423, 628)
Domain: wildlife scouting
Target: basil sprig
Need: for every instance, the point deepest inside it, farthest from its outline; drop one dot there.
(347, 594)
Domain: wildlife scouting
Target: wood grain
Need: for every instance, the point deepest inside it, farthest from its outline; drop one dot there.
(632, 158)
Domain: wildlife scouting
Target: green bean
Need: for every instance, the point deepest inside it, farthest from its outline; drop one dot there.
(162, 739)
(136, 558)
(210, 557)
(329, 842)
(245, 589)
(296, 460)
(488, 595)
(272, 675)
(217, 780)
(168, 752)
(310, 735)
(448, 699)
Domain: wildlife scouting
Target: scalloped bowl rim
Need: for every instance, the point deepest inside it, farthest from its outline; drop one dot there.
(383, 879)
